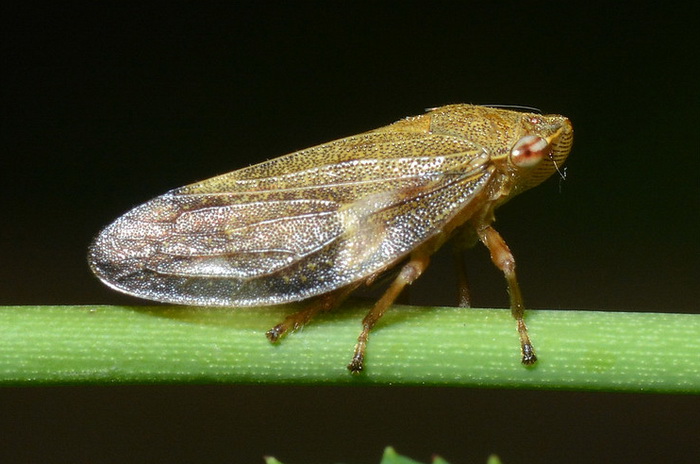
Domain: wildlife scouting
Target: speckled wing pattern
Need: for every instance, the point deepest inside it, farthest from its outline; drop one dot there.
(296, 226)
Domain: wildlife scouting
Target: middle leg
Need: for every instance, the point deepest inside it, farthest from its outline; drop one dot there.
(408, 274)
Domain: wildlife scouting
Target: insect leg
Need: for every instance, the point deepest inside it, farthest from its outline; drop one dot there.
(408, 274)
(319, 304)
(503, 259)
(464, 296)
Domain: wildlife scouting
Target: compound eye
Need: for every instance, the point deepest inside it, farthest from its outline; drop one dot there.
(529, 151)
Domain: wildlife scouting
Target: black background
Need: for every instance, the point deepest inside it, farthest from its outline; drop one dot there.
(106, 107)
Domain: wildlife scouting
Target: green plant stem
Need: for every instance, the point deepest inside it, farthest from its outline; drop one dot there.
(581, 350)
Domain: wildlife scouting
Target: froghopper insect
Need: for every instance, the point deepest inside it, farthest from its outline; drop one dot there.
(316, 224)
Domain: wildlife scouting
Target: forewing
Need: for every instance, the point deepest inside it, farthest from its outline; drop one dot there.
(293, 227)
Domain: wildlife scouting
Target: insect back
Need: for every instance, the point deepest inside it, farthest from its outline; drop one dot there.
(318, 223)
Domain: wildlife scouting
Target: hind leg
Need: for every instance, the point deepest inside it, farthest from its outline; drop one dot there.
(317, 305)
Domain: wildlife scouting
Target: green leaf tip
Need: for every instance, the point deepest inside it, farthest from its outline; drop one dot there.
(271, 460)
(493, 459)
(390, 456)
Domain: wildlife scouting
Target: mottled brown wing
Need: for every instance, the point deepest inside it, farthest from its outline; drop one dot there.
(293, 227)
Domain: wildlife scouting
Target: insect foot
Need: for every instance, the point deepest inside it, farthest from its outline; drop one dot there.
(276, 332)
(358, 360)
(529, 356)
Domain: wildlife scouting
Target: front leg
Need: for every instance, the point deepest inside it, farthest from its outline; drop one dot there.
(503, 259)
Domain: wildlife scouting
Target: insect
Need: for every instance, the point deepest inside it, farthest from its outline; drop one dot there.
(318, 223)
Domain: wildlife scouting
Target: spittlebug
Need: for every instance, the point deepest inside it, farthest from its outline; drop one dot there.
(318, 223)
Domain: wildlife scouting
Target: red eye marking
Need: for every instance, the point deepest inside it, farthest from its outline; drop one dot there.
(529, 151)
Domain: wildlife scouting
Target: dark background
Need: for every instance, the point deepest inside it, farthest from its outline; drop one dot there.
(107, 107)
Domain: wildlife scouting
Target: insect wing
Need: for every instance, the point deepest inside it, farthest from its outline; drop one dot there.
(296, 226)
